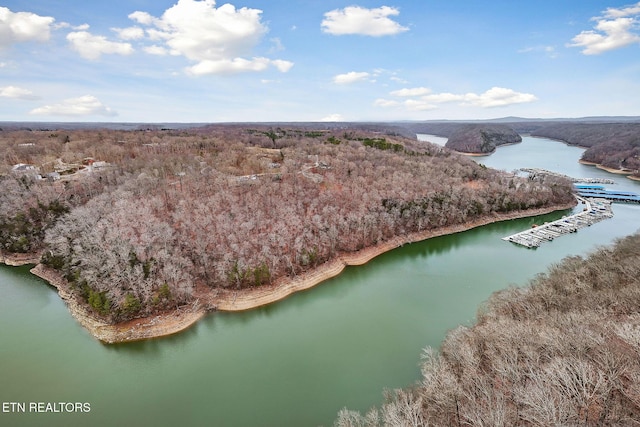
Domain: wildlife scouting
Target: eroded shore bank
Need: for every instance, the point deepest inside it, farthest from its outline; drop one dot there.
(168, 323)
(159, 325)
(16, 260)
(464, 153)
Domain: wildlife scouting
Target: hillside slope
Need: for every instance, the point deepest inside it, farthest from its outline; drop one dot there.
(562, 351)
(481, 138)
(181, 213)
(613, 145)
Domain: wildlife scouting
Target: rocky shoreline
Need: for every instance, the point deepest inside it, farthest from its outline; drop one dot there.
(487, 154)
(16, 260)
(168, 323)
(159, 325)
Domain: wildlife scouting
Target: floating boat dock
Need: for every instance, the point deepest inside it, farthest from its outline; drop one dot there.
(596, 210)
(614, 195)
(589, 187)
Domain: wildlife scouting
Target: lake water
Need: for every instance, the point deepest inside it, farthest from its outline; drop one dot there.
(296, 362)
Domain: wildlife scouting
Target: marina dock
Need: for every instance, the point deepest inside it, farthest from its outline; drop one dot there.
(596, 210)
(613, 195)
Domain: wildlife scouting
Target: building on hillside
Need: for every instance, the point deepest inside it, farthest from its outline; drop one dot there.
(24, 168)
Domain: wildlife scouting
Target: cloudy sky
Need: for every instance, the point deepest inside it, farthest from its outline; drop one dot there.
(315, 60)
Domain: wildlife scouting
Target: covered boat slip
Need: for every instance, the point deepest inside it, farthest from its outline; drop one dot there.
(614, 195)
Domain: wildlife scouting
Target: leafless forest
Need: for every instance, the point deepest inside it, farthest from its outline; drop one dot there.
(170, 213)
(614, 145)
(563, 351)
(611, 142)
(481, 138)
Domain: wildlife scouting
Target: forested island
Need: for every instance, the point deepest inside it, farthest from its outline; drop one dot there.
(561, 351)
(143, 231)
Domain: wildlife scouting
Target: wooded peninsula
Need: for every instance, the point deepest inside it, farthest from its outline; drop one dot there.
(143, 231)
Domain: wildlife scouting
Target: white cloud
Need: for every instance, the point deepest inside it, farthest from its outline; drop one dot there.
(200, 31)
(237, 65)
(16, 27)
(156, 50)
(620, 13)
(219, 39)
(350, 77)
(282, 65)
(333, 118)
(416, 91)
(398, 79)
(612, 31)
(17, 93)
(359, 20)
(157, 35)
(419, 105)
(92, 47)
(60, 25)
(87, 105)
(444, 97)
(142, 18)
(498, 97)
(421, 98)
(129, 33)
(385, 103)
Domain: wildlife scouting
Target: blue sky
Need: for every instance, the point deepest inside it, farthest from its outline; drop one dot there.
(295, 60)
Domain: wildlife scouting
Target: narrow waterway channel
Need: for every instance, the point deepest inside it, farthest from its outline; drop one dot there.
(296, 362)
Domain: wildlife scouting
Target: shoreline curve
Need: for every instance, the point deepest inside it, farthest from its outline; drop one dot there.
(175, 321)
(252, 298)
(159, 325)
(627, 173)
(464, 153)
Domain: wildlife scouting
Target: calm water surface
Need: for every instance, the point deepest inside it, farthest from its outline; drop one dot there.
(297, 362)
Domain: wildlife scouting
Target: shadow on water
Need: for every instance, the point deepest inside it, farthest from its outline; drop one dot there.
(443, 245)
(20, 273)
(156, 346)
(31, 286)
(258, 312)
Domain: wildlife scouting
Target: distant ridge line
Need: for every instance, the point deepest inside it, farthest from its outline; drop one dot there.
(56, 125)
